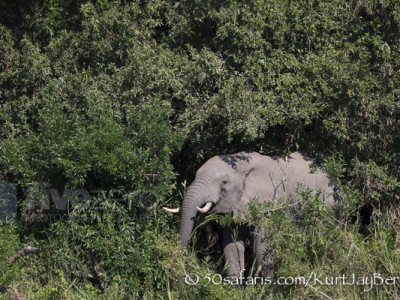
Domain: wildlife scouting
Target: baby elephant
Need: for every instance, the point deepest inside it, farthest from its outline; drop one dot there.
(227, 183)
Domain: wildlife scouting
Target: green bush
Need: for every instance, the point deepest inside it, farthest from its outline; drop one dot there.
(134, 96)
(9, 245)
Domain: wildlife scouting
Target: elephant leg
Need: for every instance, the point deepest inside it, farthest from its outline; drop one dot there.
(233, 252)
(263, 254)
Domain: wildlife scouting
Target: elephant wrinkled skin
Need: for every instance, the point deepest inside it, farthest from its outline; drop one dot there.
(227, 183)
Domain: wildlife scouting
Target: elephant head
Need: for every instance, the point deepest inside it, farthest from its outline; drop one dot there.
(218, 187)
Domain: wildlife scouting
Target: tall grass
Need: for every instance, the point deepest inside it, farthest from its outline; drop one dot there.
(339, 260)
(309, 243)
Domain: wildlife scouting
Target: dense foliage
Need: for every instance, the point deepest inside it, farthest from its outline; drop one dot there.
(134, 95)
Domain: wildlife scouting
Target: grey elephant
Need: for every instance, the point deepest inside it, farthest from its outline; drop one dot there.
(227, 183)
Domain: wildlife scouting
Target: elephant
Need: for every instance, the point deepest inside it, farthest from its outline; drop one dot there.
(226, 184)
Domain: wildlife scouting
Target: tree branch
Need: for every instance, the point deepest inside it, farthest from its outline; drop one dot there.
(23, 252)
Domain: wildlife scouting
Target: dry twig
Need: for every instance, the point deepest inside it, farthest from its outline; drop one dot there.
(23, 252)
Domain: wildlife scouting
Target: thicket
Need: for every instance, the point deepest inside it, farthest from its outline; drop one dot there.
(135, 95)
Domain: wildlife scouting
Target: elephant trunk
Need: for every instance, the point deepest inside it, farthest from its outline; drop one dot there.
(195, 197)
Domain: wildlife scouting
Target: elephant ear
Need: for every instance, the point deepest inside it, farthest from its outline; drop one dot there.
(262, 183)
(249, 192)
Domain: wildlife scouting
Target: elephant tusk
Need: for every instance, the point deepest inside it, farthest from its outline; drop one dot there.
(172, 210)
(205, 208)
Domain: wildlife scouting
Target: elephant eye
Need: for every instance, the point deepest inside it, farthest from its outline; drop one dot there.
(224, 182)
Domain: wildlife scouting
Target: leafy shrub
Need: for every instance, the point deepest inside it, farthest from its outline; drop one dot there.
(9, 245)
(122, 95)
